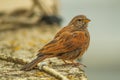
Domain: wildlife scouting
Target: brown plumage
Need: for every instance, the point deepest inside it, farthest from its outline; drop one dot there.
(68, 44)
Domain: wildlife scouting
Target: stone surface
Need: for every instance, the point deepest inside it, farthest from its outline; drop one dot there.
(24, 44)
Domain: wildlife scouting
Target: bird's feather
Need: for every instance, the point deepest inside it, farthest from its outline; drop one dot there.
(65, 42)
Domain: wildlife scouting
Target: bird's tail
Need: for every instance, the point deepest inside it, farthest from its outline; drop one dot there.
(33, 63)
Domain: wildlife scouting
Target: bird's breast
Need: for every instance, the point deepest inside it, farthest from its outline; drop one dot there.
(84, 39)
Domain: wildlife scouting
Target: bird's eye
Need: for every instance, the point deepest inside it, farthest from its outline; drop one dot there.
(79, 19)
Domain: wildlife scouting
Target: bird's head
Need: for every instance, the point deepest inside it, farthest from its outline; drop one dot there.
(79, 21)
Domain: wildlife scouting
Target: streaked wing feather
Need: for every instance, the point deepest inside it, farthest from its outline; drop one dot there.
(63, 43)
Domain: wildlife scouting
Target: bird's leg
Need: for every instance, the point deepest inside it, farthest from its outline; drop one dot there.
(74, 63)
(77, 64)
(64, 61)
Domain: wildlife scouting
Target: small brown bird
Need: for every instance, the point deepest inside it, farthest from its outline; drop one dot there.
(68, 44)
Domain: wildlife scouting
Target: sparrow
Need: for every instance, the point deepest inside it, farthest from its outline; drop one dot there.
(69, 44)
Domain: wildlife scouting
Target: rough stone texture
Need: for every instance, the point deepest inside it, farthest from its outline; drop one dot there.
(23, 44)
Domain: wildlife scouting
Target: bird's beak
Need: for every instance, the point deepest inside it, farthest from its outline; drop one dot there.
(87, 20)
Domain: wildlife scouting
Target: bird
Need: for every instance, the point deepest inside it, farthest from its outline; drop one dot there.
(69, 44)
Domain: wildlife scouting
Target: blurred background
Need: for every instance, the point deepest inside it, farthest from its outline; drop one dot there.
(103, 56)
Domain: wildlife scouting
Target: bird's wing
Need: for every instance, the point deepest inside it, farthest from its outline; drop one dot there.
(63, 43)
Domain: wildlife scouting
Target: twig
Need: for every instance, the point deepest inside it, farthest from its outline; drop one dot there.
(41, 67)
(52, 71)
(13, 60)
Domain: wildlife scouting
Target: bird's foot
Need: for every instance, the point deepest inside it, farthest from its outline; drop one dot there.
(79, 64)
(74, 63)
